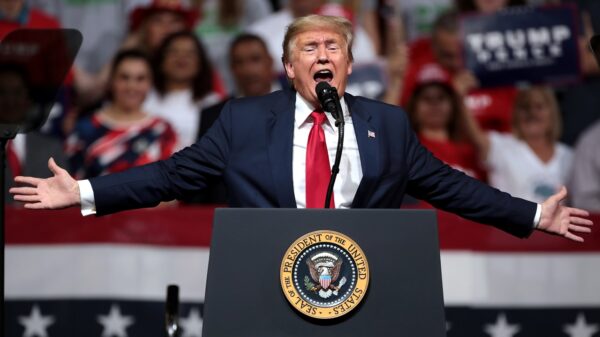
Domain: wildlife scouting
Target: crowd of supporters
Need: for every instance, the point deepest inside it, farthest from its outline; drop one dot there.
(152, 76)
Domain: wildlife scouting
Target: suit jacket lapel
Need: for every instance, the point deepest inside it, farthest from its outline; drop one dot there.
(281, 138)
(368, 147)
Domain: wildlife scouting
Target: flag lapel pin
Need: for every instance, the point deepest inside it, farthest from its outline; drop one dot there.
(371, 134)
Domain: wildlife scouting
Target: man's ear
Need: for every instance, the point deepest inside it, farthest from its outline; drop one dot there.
(349, 67)
(289, 70)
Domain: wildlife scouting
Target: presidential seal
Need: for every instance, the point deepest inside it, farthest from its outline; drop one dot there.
(324, 274)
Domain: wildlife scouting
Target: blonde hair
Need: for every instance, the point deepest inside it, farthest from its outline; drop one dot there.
(523, 100)
(313, 22)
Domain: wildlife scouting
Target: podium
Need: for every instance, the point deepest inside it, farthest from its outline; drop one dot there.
(245, 288)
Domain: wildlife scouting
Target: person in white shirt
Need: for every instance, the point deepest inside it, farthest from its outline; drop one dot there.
(183, 85)
(530, 163)
(584, 182)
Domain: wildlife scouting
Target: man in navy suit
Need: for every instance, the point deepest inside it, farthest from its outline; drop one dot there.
(262, 148)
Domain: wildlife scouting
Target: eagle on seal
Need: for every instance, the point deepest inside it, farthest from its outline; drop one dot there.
(324, 270)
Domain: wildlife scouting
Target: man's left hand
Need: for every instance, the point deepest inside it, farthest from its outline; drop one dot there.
(564, 221)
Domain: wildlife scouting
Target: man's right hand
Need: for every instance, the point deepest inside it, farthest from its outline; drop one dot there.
(56, 192)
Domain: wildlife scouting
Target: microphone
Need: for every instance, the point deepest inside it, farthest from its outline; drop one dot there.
(172, 311)
(330, 102)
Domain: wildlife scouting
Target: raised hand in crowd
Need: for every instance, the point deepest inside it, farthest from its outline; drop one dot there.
(464, 81)
(396, 67)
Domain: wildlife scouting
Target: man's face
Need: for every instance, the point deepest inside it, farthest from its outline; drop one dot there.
(252, 68)
(447, 50)
(317, 56)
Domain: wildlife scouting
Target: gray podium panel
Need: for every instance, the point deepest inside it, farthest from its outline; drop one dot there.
(243, 292)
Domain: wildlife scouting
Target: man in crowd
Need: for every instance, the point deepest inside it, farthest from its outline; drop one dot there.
(252, 69)
(272, 151)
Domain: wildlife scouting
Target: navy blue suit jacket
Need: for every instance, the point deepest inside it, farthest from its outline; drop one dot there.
(250, 145)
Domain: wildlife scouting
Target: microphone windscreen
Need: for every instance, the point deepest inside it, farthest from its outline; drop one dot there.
(322, 88)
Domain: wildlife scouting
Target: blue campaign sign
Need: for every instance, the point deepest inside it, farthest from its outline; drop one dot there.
(524, 45)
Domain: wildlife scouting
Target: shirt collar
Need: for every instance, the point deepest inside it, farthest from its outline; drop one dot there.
(304, 108)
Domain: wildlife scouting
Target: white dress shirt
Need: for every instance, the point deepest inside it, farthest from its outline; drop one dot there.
(350, 174)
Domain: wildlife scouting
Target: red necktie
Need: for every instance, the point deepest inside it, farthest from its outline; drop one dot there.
(318, 171)
(13, 160)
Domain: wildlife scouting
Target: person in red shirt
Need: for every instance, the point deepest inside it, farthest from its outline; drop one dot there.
(435, 111)
(491, 106)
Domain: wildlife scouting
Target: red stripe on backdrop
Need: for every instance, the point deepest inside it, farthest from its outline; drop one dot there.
(191, 226)
(459, 234)
(170, 226)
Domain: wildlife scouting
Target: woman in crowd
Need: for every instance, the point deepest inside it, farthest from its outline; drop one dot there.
(435, 112)
(529, 163)
(183, 85)
(121, 134)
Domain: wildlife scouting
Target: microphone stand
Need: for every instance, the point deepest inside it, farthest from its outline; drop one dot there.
(3, 142)
(172, 312)
(335, 169)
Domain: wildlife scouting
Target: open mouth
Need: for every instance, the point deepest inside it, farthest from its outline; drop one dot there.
(324, 75)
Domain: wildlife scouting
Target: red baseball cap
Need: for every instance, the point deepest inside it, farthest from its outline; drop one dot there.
(335, 10)
(433, 73)
(139, 14)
